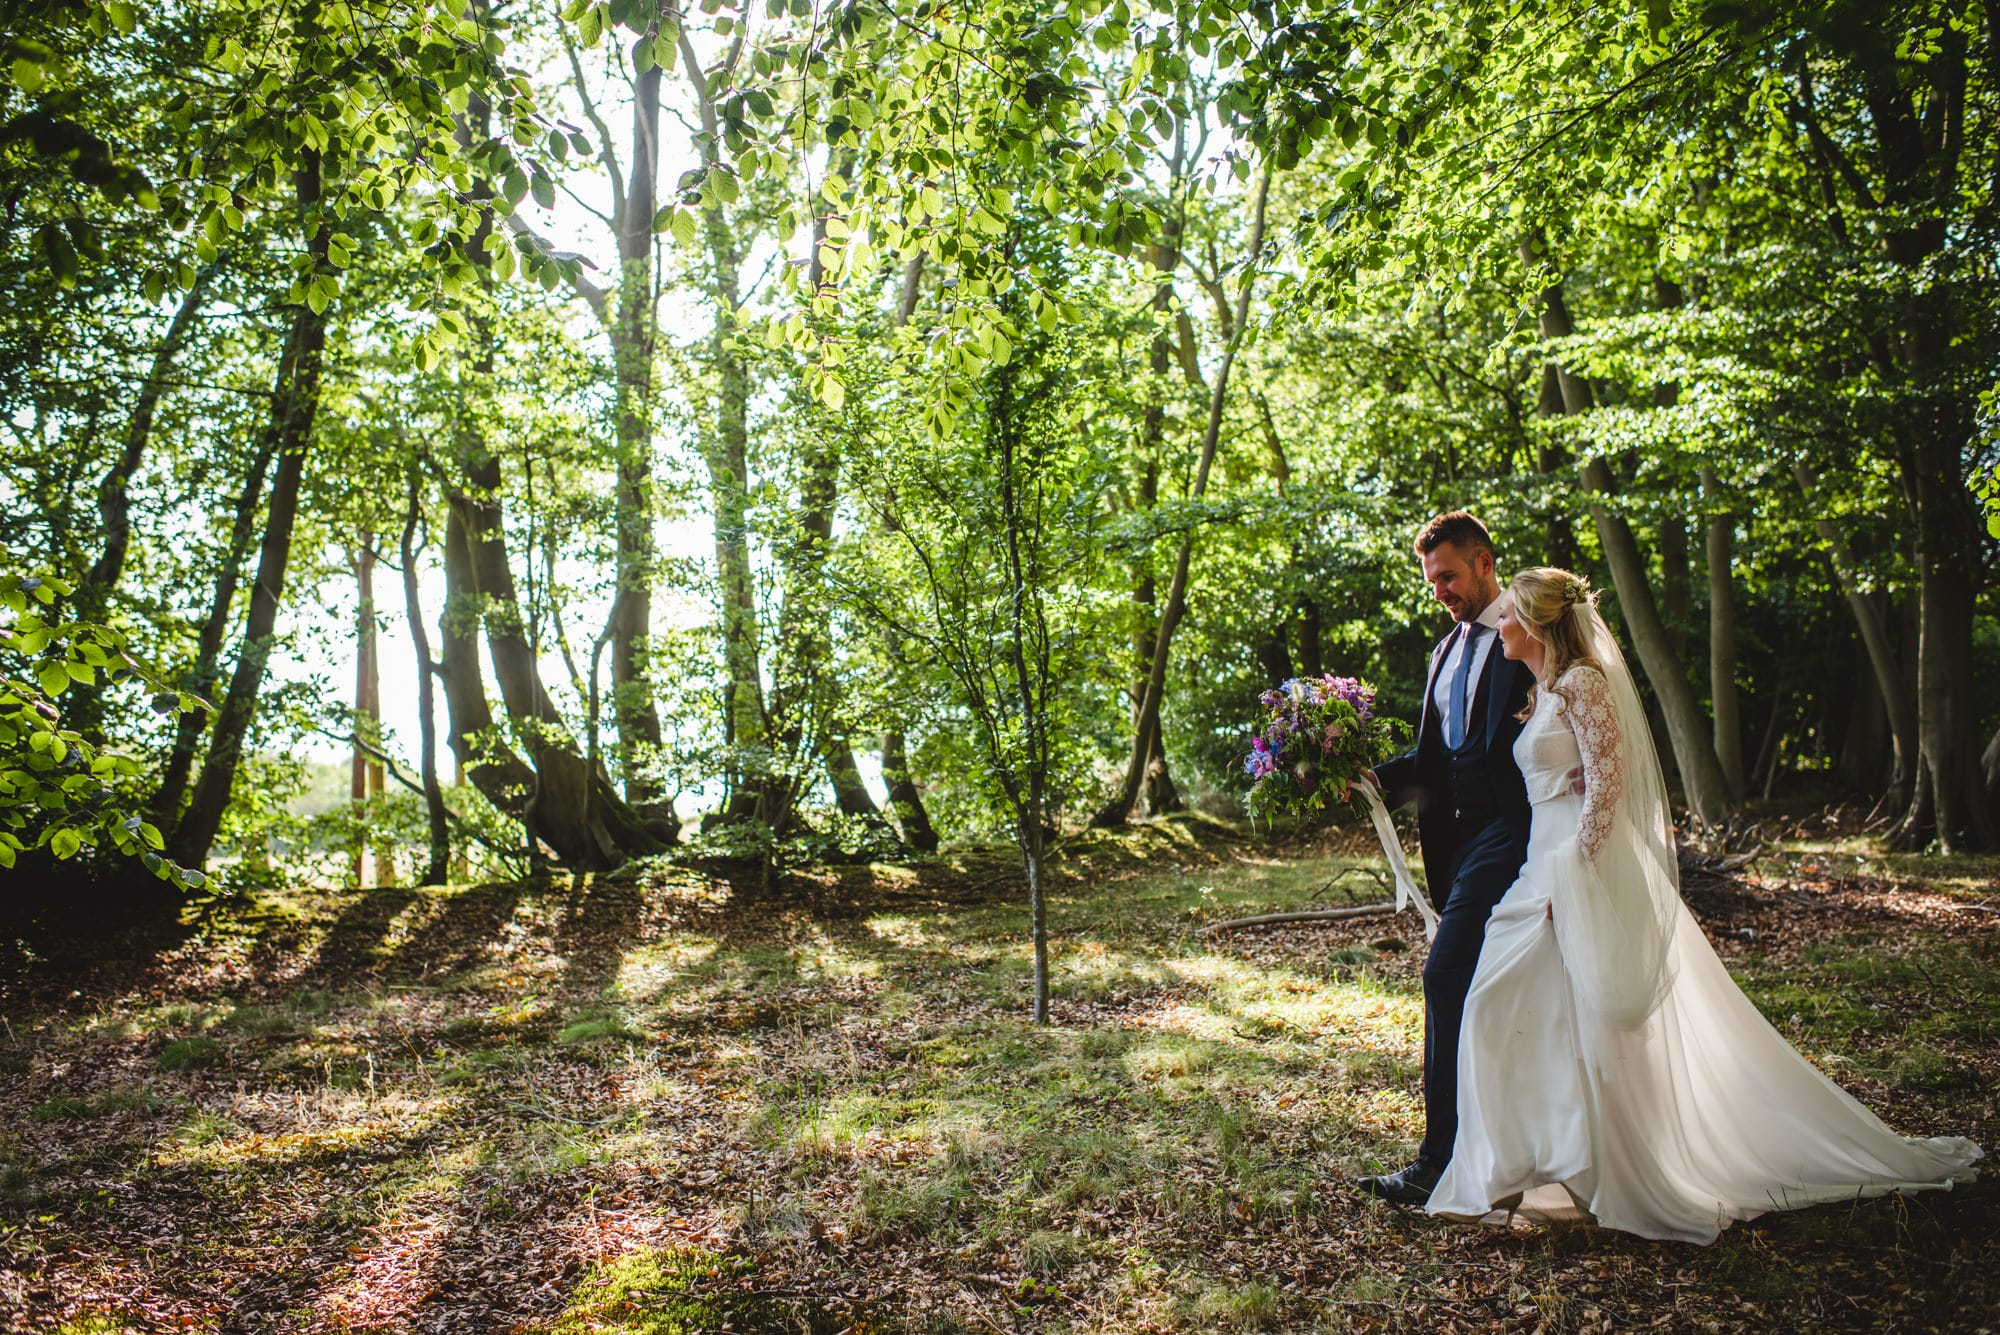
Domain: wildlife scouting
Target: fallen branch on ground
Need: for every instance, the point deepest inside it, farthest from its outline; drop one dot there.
(1309, 915)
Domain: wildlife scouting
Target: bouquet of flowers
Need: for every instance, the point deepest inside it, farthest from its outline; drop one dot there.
(1321, 735)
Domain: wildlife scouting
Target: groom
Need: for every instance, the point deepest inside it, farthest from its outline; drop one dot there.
(1472, 813)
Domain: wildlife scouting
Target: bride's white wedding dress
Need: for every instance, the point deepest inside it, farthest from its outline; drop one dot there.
(1609, 1066)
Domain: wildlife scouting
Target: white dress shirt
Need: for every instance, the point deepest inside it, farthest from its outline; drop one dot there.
(1441, 686)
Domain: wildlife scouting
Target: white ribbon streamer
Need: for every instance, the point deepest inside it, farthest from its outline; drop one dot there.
(1407, 889)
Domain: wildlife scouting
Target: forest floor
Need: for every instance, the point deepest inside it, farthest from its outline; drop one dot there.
(655, 1102)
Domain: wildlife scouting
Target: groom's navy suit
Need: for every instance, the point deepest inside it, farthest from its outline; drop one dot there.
(1472, 820)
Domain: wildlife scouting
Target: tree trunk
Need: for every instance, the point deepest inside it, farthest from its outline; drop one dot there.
(483, 757)
(365, 772)
(1030, 837)
(179, 767)
(1689, 731)
(1873, 627)
(725, 448)
(1559, 537)
(729, 484)
(114, 502)
(568, 805)
(437, 869)
(1865, 744)
(294, 404)
(810, 708)
(561, 809)
(633, 336)
(1031, 687)
(1722, 641)
(1919, 158)
(1157, 791)
(1989, 762)
(905, 802)
(850, 794)
(1947, 697)
(1676, 599)
(1119, 808)
(1274, 656)
(1312, 650)
(84, 709)
(1691, 734)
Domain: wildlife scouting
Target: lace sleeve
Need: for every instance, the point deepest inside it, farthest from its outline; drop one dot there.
(1594, 720)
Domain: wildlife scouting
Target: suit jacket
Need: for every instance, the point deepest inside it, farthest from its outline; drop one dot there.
(1422, 774)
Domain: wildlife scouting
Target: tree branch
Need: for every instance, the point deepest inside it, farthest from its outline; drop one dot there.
(606, 154)
(599, 301)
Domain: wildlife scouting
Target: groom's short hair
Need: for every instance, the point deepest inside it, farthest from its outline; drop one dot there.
(1456, 527)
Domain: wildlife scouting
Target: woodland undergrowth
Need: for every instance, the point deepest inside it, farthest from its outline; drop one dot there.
(662, 1101)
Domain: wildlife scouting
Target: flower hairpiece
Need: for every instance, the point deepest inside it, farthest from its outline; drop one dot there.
(1576, 591)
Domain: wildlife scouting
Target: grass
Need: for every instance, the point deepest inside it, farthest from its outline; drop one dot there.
(1252, 1306)
(187, 1053)
(647, 1104)
(647, 1293)
(104, 1103)
(596, 1029)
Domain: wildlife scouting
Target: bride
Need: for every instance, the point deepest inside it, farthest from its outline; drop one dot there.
(1609, 1067)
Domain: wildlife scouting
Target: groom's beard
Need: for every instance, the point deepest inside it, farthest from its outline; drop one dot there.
(1468, 609)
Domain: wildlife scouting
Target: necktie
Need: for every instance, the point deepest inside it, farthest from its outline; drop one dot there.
(1454, 723)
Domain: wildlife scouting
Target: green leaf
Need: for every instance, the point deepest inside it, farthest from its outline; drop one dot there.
(544, 189)
(316, 297)
(28, 74)
(1046, 313)
(60, 253)
(592, 26)
(65, 842)
(684, 227)
(54, 678)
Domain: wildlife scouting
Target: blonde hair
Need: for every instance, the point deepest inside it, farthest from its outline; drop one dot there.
(1552, 605)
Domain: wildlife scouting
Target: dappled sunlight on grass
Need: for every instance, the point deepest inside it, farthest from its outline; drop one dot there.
(643, 1293)
(648, 972)
(901, 930)
(820, 1121)
(1357, 1009)
(1093, 971)
(205, 1148)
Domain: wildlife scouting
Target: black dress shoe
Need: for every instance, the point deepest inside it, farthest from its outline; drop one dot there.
(1409, 1186)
